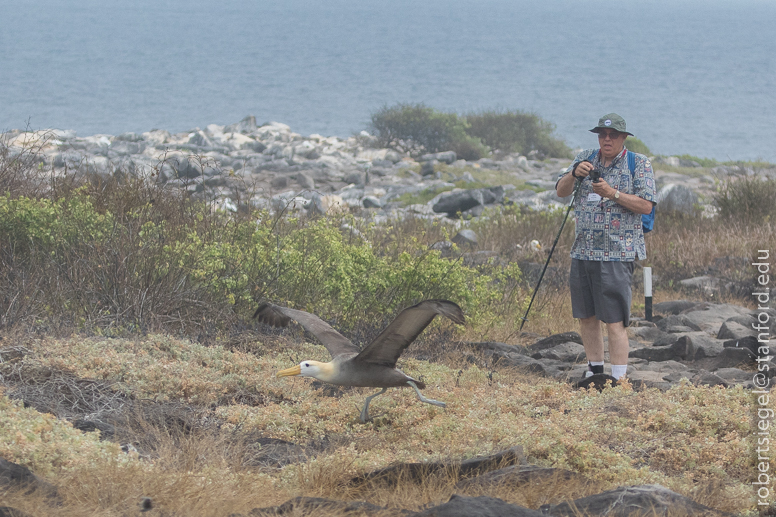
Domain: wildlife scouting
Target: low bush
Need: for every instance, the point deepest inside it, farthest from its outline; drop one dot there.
(127, 255)
(747, 198)
(419, 129)
(516, 132)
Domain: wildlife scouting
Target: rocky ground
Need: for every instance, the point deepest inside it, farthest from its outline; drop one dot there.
(270, 165)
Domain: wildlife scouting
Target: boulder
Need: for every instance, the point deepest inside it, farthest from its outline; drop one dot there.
(554, 340)
(734, 375)
(710, 317)
(678, 198)
(427, 168)
(733, 330)
(371, 202)
(448, 157)
(279, 182)
(465, 238)
(521, 475)
(461, 506)
(354, 178)
(316, 505)
(18, 477)
(700, 345)
(675, 321)
(461, 201)
(630, 501)
(418, 472)
(731, 358)
(521, 362)
(566, 352)
(322, 205)
(748, 342)
(246, 125)
(708, 379)
(707, 284)
(107, 431)
(305, 181)
(670, 352)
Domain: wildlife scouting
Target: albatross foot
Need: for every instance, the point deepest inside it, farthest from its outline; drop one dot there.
(424, 399)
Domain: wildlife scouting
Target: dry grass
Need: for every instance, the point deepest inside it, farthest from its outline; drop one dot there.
(690, 439)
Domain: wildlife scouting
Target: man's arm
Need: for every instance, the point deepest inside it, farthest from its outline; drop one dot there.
(565, 185)
(632, 202)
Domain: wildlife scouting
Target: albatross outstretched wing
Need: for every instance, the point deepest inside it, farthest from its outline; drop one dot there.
(407, 326)
(277, 316)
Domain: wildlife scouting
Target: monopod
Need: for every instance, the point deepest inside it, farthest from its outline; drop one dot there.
(557, 237)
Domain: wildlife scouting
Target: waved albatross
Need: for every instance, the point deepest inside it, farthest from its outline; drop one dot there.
(375, 365)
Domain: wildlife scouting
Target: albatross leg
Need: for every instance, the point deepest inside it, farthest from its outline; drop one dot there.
(365, 411)
(424, 399)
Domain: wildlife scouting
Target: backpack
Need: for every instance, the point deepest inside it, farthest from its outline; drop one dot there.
(647, 220)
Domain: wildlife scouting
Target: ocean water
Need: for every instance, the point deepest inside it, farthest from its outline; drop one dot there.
(694, 77)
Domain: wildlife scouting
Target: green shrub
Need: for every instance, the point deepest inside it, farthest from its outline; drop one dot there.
(637, 146)
(516, 132)
(747, 198)
(470, 148)
(419, 129)
(129, 255)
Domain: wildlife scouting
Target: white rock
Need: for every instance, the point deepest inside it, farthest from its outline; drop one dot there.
(304, 149)
(238, 141)
(157, 137)
(368, 155)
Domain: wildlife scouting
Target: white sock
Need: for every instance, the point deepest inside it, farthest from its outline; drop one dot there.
(619, 370)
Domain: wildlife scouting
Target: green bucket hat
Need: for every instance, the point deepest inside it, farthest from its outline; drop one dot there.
(611, 121)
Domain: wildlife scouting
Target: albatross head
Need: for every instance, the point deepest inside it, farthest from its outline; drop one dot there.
(316, 369)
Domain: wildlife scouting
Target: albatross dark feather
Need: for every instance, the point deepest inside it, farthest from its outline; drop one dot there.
(335, 343)
(396, 337)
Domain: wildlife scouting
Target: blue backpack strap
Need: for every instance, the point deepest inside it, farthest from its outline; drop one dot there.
(647, 220)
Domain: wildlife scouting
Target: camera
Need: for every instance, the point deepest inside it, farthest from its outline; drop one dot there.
(595, 175)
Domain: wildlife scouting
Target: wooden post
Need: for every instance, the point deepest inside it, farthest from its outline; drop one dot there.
(648, 293)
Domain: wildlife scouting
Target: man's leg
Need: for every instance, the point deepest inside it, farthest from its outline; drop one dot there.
(592, 338)
(618, 348)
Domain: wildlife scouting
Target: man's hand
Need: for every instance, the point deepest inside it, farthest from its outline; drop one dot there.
(603, 189)
(583, 169)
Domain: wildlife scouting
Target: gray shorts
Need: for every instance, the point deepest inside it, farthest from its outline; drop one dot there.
(601, 289)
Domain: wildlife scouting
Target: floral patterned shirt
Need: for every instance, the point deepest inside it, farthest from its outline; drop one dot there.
(605, 230)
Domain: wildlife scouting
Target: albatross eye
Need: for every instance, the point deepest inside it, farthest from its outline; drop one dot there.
(306, 365)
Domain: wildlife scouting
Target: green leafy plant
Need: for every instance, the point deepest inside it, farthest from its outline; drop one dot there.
(514, 131)
(418, 129)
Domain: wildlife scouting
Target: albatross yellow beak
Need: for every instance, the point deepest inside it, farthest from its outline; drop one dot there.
(294, 370)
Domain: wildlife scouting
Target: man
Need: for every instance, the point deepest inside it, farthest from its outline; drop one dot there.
(609, 239)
